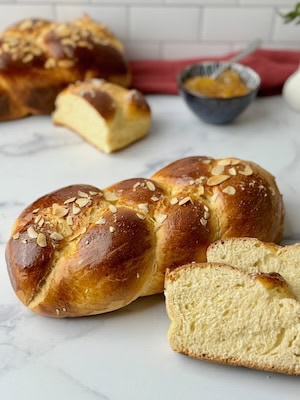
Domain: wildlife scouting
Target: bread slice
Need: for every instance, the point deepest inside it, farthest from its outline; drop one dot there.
(105, 114)
(225, 315)
(252, 255)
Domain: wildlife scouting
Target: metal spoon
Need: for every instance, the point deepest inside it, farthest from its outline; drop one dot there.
(249, 49)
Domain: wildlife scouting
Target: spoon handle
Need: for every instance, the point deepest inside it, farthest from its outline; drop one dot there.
(249, 49)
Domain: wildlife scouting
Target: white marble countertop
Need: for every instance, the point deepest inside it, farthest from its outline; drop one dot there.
(125, 355)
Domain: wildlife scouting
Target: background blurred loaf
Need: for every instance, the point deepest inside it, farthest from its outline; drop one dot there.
(106, 115)
(39, 58)
(82, 251)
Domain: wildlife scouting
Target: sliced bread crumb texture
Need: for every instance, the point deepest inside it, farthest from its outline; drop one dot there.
(225, 315)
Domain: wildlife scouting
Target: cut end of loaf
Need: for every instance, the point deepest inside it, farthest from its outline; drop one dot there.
(221, 314)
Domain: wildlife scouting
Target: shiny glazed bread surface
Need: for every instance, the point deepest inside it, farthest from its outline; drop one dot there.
(82, 251)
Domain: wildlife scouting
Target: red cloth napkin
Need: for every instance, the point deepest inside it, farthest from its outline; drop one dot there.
(273, 66)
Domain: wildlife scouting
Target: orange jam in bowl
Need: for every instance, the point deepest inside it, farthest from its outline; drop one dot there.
(227, 85)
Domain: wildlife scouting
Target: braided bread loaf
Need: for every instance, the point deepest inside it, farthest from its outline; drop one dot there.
(39, 58)
(82, 251)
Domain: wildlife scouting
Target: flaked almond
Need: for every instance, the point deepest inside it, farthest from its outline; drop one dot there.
(37, 219)
(112, 208)
(41, 222)
(191, 182)
(247, 171)
(101, 221)
(110, 196)
(136, 185)
(206, 161)
(174, 201)
(56, 236)
(200, 180)
(50, 63)
(82, 194)
(229, 190)
(203, 221)
(161, 218)
(184, 200)
(75, 210)
(27, 58)
(16, 236)
(70, 200)
(234, 161)
(82, 201)
(32, 233)
(144, 207)
(155, 198)
(92, 193)
(232, 171)
(36, 210)
(41, 240)
(200, 190)
(69, 220)
(224, 161)
(217, 170)
(206, 214)
(216, 180)
(112, 229)
(59, 211)
(150, 186)
(140, 216)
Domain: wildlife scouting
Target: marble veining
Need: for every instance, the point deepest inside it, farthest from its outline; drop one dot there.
(125, 355)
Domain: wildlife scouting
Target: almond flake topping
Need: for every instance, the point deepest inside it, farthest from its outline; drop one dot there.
(137, 184)
(70, 200)
(150, 186)
(154, 198)
(41, 240)
(229, 190)
(140, 216)
(69, 220)
(112, 208)
(16, 236)
(234, 161)
(56, 236)
(24, 241)
(184, 200)
(206, 161)
(247, 171)
(75, 210)
(59, 211)
(203, 221)
(92, 193)
(110, 196)
(200, 190)
(32, 233)
(112, 229)
(161, 218)
(82, 201)
(41, 222)
(272, 190)
(36, 210)
(205, 207)
(82, 194)
(144, 207)
(217, 170)
(224, 161)
(232, 171)
(174, 201)
(37, 219)
(216, 180)
(206, 214)
(192, 182)
(101, 221)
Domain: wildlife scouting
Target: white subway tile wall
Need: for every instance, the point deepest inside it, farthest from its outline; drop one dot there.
(172, 29)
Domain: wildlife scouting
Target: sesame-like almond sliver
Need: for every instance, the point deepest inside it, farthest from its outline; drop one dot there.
(206, 161)
(101, 221)
(184, 200)
(60, 211)
(161, 218)
(69, 220)
(224, 161)
(217, 170)
(216, 180)
(112, 208)
(82, 194)
(36, 210)
(56, 236)
(203, 221)
(174, 201)
(140, 216)
(82, 201)
(144, 207)
(155, 198)
(112, 229)
(70, 200)
(32, 233)
(41, 240)
(16, 236)
(150, 186)
(110, 196)
(247, 171)
(232, 171)
(75, 210)
(229, 190)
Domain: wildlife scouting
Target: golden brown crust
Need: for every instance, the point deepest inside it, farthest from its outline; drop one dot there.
(39, 58)
(116, 244)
